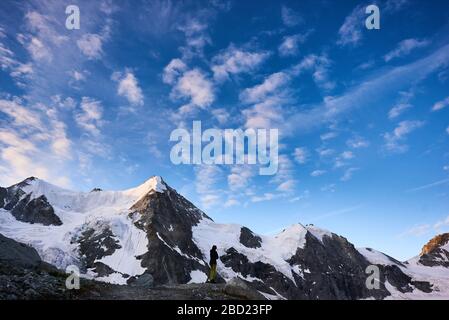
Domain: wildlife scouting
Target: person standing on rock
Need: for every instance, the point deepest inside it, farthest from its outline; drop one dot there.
(213, 264)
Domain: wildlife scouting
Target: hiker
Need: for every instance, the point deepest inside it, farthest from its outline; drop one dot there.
(213, 264)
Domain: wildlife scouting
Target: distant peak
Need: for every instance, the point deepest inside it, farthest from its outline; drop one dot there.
(25, 182)
(435, 243)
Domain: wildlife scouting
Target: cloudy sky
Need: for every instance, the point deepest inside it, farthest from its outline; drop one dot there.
(363, 114)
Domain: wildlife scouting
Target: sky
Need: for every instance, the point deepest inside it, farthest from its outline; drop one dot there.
(363, 115)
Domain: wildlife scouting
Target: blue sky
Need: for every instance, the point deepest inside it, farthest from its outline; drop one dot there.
(363, 114)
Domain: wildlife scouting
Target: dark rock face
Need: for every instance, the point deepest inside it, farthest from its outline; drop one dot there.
(23, 275)
(249, 239)
(332, 269)
(3, 194)
(37, 210)
(335, 270)
(94, 244)
(26, 209)
(268, 277)
(19, 254)
(167, 218)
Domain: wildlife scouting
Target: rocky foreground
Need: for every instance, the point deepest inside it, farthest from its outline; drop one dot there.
(23, 275)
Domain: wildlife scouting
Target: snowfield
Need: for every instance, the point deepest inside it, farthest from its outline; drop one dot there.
(78, 210)
(436, 275)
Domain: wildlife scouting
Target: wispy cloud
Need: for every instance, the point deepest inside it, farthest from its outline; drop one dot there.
(290, 44)
(301, 155)
(128, 87)
(441, 104)
(373, 88)
(233, 61)
(290, 17)
(350, 33)
(348, 174)
(405, 47)
(430, 185)
(394, 141)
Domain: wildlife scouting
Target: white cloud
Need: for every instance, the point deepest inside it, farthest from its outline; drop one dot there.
(286, 186)
(91, 45)
(319, 66)
(90, 116)
(235, 61)
(348, 174)
(347, 155)
(44, 27)
(404, 48)
(231, 203)
(290, 18)
(441, 104)
(441, 223)
(221, 114)
(265, 197)
(240, 176)
(325, 152)
(301, 155)
(430, 185)
(196, 37)
(357, 142)
(195, 86)
(424, 229)
(369, 92)
(267, 114)
(447, 130)
(206, 179)
(329, 188)
(290, 44)
(417, 231)
(398, 109)
(394, 140)
(128, 87)
(392, 6)
(350, 33)
(304, 195)
(328, 136)
(38, 50)
(317, 173)
(173, 71)
(269, 86)
(284, 176)
(34, 143)
(77, 75)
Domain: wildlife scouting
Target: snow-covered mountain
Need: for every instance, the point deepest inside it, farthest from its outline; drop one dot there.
(152, 235)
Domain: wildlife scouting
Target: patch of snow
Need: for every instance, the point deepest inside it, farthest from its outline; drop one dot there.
(318, 232)
(115, 278)
(376, 257)
(133, 242)
(197, 276)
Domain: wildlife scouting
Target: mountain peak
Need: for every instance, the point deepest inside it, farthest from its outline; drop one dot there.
(153, 184)
(435, 243)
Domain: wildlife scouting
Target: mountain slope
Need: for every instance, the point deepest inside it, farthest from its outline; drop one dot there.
(151, 235)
